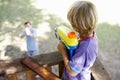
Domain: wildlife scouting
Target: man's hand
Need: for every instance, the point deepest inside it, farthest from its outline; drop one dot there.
(27, 30)
(22, 35)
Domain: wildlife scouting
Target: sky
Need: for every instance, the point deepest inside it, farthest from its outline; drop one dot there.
(108, 10)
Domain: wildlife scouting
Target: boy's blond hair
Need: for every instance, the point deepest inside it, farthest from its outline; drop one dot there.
(83, 17)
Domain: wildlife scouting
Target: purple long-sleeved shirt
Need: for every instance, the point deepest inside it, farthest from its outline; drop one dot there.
(83, 59)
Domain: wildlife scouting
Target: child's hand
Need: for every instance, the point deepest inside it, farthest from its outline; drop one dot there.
(61, 47)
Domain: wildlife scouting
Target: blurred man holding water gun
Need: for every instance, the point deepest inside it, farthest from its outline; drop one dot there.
(30, 33)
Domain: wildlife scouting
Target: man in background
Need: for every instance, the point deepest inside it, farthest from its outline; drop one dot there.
(30, 33)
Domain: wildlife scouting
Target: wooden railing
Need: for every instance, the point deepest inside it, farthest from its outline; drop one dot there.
(42, 66)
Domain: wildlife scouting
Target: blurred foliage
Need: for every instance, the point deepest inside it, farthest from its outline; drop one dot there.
(109, 44)
(108, 37)
(13, 13)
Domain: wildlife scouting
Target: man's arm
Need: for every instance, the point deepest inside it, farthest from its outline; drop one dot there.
(22, 35)
(32, 35)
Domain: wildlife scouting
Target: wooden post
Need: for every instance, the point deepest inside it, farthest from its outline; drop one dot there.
(99, 72)
(61, 67)
(12, 76)
(30, 75)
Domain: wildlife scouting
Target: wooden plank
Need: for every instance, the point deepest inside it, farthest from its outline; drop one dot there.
(12, 77)
(61, 67)
(49, 68)
(39, 69)
(30, 75)
(54, 58)
(47, 59)
(99, 72)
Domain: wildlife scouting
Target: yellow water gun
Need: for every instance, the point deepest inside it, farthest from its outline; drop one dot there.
(68, 37)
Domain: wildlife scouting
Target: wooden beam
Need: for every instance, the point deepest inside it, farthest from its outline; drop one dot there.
(99, 72)
(39, 69)
(12, 76)
(48, 59)
(30, 75)
(14, 66)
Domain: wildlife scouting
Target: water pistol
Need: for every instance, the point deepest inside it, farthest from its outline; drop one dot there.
(68, 38)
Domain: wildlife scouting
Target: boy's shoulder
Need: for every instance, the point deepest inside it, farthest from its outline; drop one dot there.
(88, 42)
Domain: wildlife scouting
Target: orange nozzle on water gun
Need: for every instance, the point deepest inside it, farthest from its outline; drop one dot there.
(68, 37)
(72, 35)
